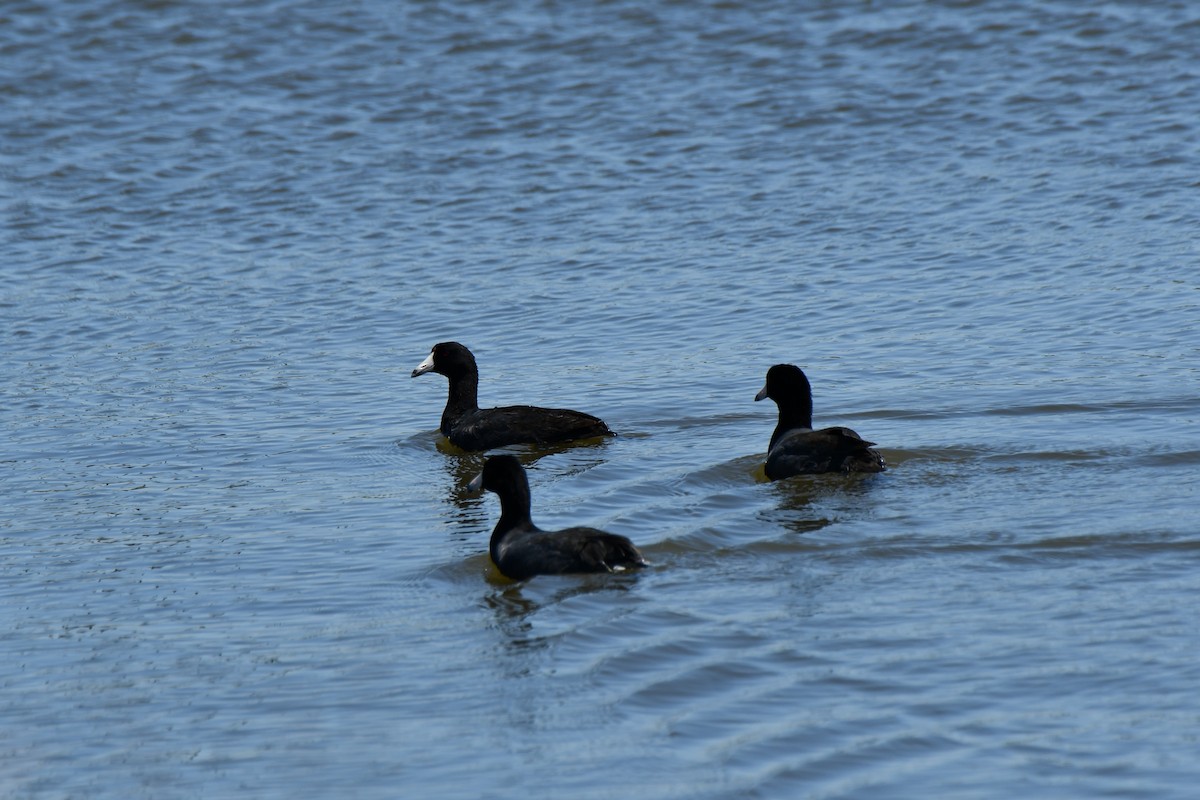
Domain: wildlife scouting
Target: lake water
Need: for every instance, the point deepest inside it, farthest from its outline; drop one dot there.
(237, 561)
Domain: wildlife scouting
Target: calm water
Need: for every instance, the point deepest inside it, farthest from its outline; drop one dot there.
(236, 561)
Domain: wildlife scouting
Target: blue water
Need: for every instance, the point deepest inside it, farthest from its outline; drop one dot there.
(237, 560)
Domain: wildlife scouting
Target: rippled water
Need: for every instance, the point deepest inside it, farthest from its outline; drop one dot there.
(238, 562)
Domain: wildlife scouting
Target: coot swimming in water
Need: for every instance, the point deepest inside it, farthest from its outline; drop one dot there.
(795, 447)
(468, 426)
(521, 549)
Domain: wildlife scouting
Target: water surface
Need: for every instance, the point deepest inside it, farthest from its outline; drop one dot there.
(237, 561)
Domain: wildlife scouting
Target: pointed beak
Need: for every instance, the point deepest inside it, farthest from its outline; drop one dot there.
(424, 366)
(762, 395)
(476, 484)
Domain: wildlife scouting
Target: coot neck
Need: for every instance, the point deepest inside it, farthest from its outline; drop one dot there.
(514, 512)
(792, 416)
(463, 397)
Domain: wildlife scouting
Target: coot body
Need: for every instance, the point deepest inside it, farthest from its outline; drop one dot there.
(520, 549)
(797, 449)
(469, 427)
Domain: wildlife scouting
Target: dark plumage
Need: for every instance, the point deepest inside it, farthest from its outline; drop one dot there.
(468, 426)
(795, 447)
(521, 549)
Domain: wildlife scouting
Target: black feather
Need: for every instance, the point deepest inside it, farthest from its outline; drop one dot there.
(520, 549)
(796, 448)
(469, 427)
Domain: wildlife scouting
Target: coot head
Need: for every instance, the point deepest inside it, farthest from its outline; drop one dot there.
(447, 358)
(501, 474)
(785, 383)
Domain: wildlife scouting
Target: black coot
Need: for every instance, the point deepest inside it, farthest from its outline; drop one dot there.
(468, 426)
(521, 549)
(795, 447)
